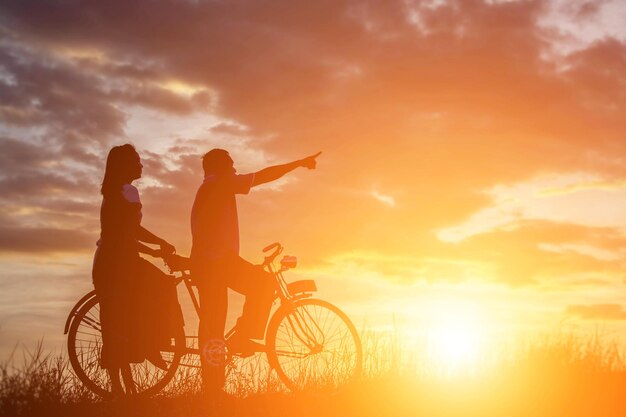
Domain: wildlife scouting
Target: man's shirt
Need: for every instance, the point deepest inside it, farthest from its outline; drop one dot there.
(214, 221)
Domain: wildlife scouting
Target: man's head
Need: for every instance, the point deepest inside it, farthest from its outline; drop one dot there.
(217, 162)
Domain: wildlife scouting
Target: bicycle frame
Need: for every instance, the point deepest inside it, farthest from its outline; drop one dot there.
(287, 293)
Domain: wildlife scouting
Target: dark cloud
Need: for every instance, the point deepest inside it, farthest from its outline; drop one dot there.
(33, 240)
(15, 154)
(45, 199)
(31, 171)
(363, 70)
(587, 9)
(50, 173)
(284, 68)
(597, 311)
(56, 95)
(161, 99)
(36, 185)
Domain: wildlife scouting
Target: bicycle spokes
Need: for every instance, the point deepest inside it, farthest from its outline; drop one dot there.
(306, 329)
(85, 354)
(92, 323)
(314, 345)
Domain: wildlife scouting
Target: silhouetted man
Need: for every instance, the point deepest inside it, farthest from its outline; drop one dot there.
(217, 266)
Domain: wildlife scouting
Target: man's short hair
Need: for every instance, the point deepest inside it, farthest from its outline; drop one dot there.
(213, 162)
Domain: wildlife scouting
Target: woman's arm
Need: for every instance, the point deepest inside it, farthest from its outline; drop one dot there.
(141, 248)
(144, 235)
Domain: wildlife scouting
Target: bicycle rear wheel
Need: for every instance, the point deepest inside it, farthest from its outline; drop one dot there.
(84, 346)
(313, 345)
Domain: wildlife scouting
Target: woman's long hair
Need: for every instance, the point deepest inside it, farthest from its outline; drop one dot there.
(121, 161)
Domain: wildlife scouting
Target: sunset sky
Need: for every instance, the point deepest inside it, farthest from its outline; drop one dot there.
(473, 172)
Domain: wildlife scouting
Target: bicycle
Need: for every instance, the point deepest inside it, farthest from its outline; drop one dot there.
(309, 342)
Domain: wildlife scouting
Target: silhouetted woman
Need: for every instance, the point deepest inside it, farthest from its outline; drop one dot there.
(128, 287)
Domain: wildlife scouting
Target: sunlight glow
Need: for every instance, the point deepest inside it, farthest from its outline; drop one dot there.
(456, 341)
(181, 88)
(456, 346)
(75, 53)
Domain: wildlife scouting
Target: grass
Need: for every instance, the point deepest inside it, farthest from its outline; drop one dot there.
(562, 374)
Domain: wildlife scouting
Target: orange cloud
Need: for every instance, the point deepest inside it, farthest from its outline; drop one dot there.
(597, 312)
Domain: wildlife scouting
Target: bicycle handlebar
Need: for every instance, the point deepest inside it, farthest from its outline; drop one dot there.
(270, 247)
(177, 263)
(270, 258)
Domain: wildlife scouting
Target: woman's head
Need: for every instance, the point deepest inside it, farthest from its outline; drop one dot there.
(123, 166)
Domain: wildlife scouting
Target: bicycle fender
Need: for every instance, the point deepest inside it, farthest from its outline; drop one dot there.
(78, 305)
(302, 288)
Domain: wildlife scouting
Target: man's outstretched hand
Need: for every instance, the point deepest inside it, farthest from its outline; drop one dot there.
(275, 172)
(310, 162)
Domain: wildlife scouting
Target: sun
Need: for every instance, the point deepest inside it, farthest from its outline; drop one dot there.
(456, 347)
(456, 341)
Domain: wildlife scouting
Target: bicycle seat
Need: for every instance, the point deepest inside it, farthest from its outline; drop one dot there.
(177, 263)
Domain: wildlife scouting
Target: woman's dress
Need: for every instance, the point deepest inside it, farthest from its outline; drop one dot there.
(139, 310)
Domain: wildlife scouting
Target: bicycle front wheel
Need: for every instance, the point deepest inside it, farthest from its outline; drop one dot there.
(313, 345)
(84, 345)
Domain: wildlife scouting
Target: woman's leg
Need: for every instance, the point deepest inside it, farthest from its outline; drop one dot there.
(129, 383)
(116, 384)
